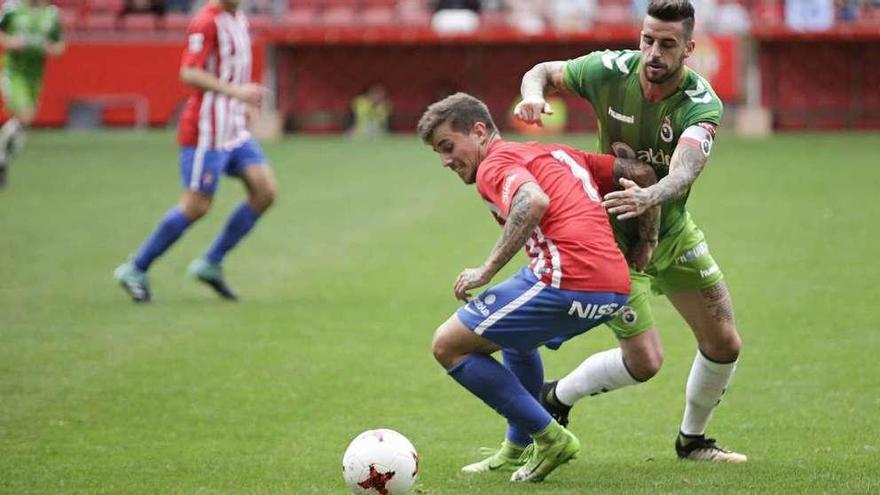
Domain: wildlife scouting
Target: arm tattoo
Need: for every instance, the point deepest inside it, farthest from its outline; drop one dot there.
(642, 174)
(526, 211)
(544, 78)
(649, 224)
(717, 299)
(686, 164)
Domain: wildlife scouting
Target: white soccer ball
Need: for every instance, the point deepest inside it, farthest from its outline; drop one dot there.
(380, 462)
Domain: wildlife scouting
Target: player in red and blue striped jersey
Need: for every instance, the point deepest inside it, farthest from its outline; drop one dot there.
(214, 140)
(548, 202)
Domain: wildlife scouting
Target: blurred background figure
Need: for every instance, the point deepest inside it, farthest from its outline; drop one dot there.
(371, 112)
(572, 15)
(29, 31)
(527, 16)
(809, 15)
(732, 18)
(456, 16)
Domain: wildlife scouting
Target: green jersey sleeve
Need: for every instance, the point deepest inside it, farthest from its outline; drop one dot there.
(583, 74)
(705, 106)
(6, 14)
(55, 32)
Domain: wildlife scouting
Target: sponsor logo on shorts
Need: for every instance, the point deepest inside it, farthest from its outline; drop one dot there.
(628, 316)
(708, 272)
(207, 178)
(481, 307)
(489, 299)
(593, 311)
(693, 253)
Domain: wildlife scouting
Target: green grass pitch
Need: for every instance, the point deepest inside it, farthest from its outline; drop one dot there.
(343, 283)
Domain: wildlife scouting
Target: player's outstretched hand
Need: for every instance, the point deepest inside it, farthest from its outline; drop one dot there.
(251, 93)
(531, 109)
(631, 202)
(468, 279)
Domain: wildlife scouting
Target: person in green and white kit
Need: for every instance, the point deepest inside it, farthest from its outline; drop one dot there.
(652, 107)
(29, 31)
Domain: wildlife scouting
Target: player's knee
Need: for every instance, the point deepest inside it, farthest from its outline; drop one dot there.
(195, 211)
(724, 348)
(645, 365)
(263, 198)
(444, 348)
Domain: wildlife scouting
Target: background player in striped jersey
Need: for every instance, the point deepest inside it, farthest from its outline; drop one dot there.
(214, 140)
(652, 107)
(29, 31)
(547, 201)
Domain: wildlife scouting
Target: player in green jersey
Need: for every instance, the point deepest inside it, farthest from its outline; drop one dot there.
(29, 31)
(651, 106)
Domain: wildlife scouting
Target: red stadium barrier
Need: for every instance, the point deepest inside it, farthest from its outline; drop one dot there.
(824, 80)
(808, 80)
(320, 71)
(91, 69)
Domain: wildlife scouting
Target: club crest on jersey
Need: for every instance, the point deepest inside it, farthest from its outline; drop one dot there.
(196, 42)
(629, 316)
(666, 133)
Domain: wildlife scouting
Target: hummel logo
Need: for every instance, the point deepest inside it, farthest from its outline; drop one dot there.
(628, 119)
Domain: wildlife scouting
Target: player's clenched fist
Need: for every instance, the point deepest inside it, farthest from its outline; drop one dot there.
(251, 93)
(468, 279)
(530, 110)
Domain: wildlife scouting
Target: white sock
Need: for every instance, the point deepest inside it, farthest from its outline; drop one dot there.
(705, 386)
(602, 372)
(8, 132)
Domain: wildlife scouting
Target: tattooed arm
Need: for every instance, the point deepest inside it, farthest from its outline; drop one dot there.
(527, 208)
(642, 174)
(687, 162)
(543, 79)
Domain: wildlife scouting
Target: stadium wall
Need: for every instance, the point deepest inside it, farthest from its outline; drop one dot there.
(122, 70)
(826, 81)
(821, 80)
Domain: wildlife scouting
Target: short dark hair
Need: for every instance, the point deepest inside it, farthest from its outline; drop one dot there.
(461, 110)
(674, 11)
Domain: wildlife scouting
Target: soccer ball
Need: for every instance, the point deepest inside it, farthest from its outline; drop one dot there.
(380, 462)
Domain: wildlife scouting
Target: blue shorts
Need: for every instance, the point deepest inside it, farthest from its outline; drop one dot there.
(200, 168)
(524, 313)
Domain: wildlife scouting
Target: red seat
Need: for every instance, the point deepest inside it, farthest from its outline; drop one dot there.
(140, 22)
(378, 16)
(100, 21)
(176, 21)
(339, 15)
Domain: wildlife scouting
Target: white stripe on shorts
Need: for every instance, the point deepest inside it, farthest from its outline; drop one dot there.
(510, 307)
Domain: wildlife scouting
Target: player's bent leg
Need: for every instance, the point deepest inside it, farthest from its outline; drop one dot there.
(465, 355)
(453, 342)
(637, 360)
(260, 184)
(709, 312)
(259, 180)
(132, 275)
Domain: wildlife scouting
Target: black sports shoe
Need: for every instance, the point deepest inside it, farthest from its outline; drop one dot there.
(700, 448)
(551, 403)
(133, 281)
(3, 171)
(212, 275)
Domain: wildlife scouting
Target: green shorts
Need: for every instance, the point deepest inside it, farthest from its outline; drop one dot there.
(20, 92)
(680, 262)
